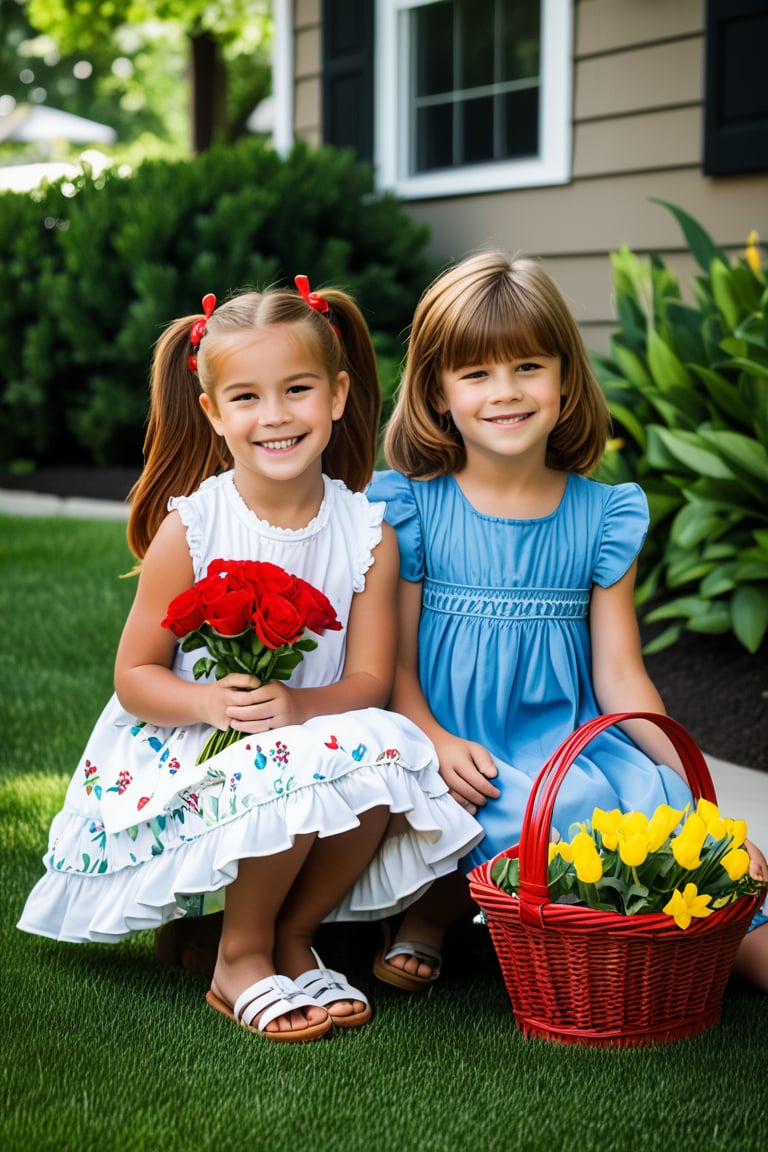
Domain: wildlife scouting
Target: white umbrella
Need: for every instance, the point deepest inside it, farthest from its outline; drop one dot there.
(30, 123)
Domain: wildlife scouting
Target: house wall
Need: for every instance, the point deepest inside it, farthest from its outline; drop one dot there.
(638, 132)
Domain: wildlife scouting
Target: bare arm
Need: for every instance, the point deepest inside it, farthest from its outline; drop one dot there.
(620, 679)
(366, 681)
(145, 684)
(466, 767)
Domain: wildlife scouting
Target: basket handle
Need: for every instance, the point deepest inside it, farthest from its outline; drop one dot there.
(535, 834)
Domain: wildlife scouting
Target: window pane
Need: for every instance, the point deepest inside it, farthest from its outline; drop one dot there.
(476, 43)
(521, 127)
(432, 28)
(477, 134)
(520, 40)
(434, 133)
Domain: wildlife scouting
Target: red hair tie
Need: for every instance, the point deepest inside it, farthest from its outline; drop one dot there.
(315, 301)
(198, 328)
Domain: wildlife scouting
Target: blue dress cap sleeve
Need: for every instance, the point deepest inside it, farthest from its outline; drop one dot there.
(403, 514)
(625, 526)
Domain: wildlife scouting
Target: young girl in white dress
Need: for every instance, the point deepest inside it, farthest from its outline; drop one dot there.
(262, 435)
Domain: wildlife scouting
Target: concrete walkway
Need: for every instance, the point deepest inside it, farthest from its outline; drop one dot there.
(742, 792)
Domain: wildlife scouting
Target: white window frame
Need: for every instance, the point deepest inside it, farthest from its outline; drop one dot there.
(391, 129)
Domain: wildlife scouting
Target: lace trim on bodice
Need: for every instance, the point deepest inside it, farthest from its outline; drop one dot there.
(506, 603)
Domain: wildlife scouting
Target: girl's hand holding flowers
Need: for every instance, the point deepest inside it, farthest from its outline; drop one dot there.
(252, 617)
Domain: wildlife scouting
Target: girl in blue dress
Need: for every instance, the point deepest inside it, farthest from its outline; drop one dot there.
(517, 619)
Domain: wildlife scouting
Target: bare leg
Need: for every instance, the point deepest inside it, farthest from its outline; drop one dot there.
(428, 919)
(752, 958)
(332, 867)
(246, 949)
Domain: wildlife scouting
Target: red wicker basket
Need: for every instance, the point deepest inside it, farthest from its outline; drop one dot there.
(582, 976)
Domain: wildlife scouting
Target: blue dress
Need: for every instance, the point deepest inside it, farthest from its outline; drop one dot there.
(504, 644)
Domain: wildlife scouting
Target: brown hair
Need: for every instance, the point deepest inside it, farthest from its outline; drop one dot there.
(491, 307)
(181, 449)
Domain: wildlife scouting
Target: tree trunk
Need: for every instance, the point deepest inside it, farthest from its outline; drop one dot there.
(208, 90)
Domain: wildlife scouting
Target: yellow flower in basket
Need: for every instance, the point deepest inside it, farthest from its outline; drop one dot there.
(683, 906)
(680, 863)
(736, 863)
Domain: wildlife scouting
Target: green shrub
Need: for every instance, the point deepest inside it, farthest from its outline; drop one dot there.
(688, 389)
(94, 269)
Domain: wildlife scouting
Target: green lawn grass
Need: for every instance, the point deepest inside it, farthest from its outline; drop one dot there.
(105, 1048)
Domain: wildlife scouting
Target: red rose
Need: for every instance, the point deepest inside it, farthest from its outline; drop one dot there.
(230, 614)
(185, 613)
(316, 609)
(276, 621)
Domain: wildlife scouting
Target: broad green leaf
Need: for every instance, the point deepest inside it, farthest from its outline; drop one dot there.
(682, 606)
(740, 450)
(672, 415)
(754, 329)
(703, 248)
(751, 367)
(684, 325)
(626, 417)
(632, 368)
(666, 369)
(664, 640)
(717, 582)
(688, 449)
(687, 571)
(714, 621)
(725, 395)
(661, 503)
(694, 523)
(749, 615)
(722, 290)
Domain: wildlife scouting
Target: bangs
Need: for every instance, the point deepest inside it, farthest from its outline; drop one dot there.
(497, 324)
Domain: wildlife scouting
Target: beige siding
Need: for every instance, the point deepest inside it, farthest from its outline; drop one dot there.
(637, 134)
(306, 69)
(613, 25)
(659, 76)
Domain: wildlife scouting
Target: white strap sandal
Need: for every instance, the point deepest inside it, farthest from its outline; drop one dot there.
(409, 981)
(327, 987)
(266, 1000)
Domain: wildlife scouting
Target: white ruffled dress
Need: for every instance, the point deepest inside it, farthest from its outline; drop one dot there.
(146, 835)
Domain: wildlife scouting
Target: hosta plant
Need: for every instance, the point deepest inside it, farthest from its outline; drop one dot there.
(687, 384)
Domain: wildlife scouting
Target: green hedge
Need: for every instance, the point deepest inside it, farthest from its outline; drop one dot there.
(688, 388)
(94, 268)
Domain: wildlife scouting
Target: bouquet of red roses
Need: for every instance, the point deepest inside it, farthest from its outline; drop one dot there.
(252, 617)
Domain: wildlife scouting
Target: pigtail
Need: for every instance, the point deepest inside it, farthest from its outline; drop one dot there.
(351, 453)
(181, 448)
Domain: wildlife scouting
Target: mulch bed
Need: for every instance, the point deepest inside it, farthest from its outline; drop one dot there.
(711, 684)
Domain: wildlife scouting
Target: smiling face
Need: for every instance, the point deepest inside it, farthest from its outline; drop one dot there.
(274, 404)
(504, 410)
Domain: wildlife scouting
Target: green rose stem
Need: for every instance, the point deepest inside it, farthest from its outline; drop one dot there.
(241, 653)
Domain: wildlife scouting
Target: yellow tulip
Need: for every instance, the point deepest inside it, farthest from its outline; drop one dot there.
(586, 858)
(661, 825)
(683, 906)
(608, 824)
(633, 839)
(736, 863)
(738, 830)
(552, 851)
(633, 850)
(710, 814)
(752, 253)
(686, 853)
(707, 810)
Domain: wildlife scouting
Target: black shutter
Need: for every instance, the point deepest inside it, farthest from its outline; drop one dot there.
(736, 100)
(348, 75)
